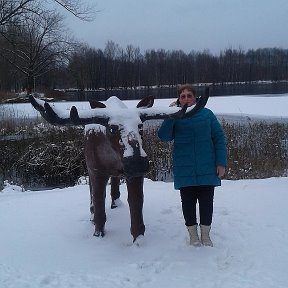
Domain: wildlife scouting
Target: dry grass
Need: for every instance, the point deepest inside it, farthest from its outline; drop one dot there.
(6, 95)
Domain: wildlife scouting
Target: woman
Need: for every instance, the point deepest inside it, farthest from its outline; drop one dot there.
(199, 161)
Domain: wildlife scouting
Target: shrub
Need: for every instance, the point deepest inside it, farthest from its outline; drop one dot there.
(44, 155)
(256, 150)
(49, 156)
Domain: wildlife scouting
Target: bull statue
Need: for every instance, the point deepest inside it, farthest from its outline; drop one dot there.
(113, 149)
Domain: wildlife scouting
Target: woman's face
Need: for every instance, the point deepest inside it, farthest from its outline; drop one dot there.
(187, 97)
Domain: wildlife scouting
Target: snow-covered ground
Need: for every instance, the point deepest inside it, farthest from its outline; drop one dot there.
(46, 237)
(46, 240)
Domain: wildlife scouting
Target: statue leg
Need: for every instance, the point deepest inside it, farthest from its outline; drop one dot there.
(135, 201)
(98, 190)
(115, 192)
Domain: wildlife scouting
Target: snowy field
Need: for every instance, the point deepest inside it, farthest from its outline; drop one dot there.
(273, 107)
(46, 240)
(46, 237)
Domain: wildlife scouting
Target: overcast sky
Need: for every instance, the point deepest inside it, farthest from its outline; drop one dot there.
(186, 24)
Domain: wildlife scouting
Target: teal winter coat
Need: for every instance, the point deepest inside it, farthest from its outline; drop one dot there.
(199, 147)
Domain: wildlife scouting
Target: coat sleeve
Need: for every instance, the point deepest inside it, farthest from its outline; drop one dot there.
(166, 131)
(219, 141)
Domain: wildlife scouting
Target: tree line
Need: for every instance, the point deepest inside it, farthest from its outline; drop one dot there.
(37, 53)
(84, 67)
(114, 66)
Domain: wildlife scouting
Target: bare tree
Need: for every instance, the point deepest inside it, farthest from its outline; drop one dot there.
(11, 9)
(31, 38)
(112, 53)
(37, 46)
(78, 8)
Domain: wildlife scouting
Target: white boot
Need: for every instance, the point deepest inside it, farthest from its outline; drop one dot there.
(205, 238)
(193, 233)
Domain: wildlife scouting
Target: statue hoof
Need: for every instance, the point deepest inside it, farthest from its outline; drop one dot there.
(113, 205)
(116, 203)
(99, 233)
(139, 240)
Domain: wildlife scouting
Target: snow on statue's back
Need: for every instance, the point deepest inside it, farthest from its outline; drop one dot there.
(113, 148)
(115, 102)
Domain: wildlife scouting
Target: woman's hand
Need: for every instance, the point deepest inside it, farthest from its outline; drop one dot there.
(220, 171)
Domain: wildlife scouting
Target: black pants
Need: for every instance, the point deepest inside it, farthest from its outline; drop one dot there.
(204, 195)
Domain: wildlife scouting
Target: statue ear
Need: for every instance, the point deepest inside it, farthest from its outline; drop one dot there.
(146, 102)
(96, 104)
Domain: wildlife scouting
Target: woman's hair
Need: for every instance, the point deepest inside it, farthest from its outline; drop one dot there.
(187, 86)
